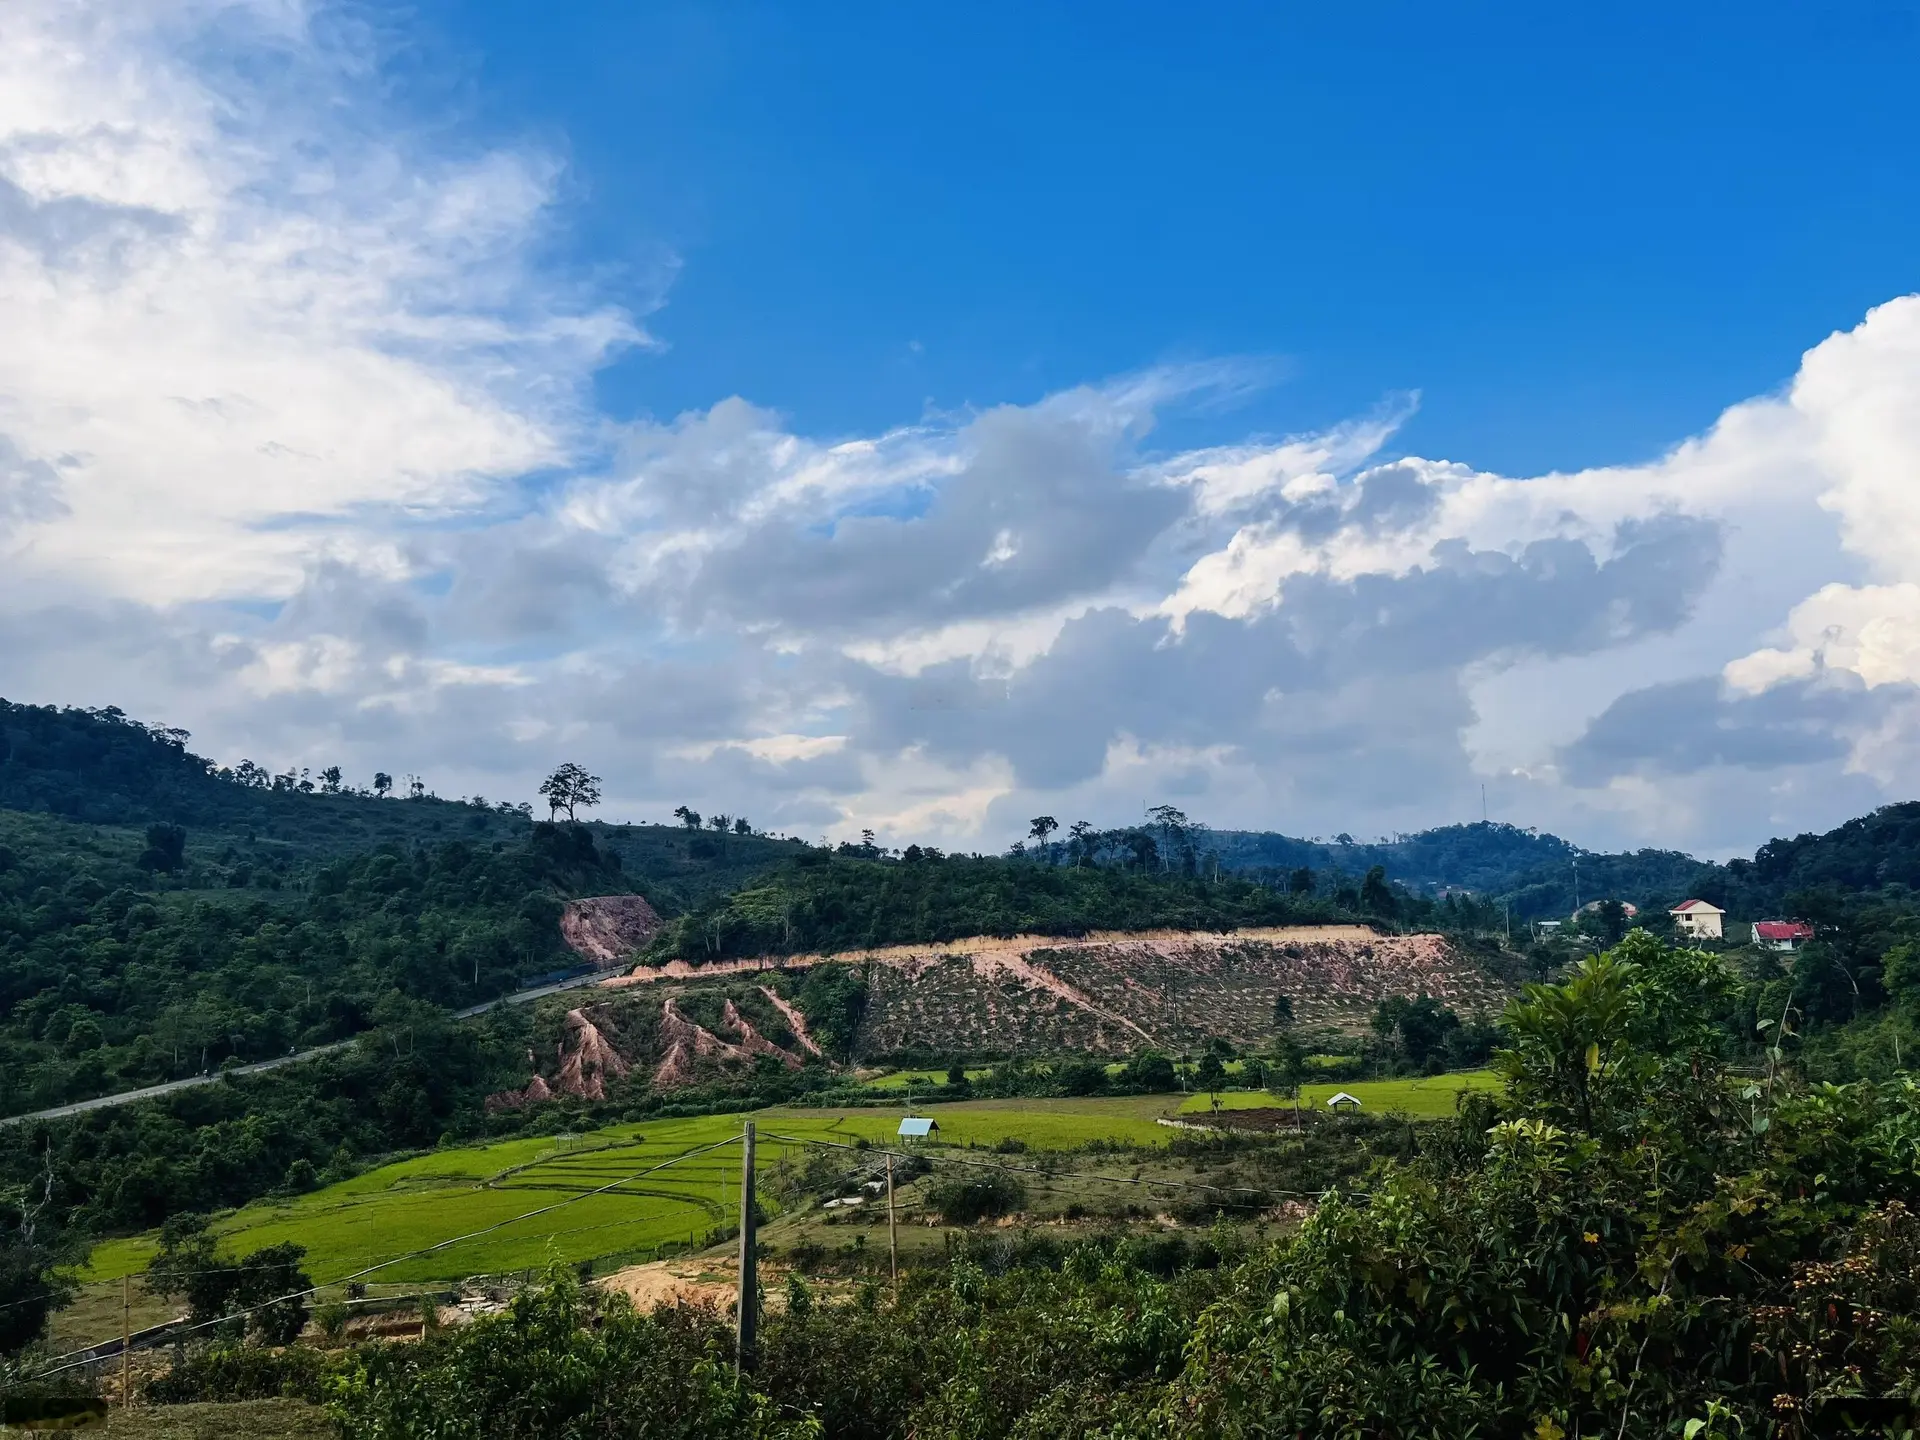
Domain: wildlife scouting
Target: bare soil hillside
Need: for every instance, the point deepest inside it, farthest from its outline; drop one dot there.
(608, 929)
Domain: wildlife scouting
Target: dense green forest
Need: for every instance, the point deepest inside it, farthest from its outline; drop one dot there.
(106, 983)
(822, 901)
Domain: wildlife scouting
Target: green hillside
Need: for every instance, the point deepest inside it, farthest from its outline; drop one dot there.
(160, 915)
(109, 981)
(820, 901)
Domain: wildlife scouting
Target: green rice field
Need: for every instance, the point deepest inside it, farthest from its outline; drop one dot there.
(924, 1082)
(412, 1204)
(1429, 1097)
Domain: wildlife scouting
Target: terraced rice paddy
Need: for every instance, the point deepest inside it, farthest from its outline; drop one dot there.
(407, 1207)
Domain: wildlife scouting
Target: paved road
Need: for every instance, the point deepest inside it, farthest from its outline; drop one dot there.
(127, 1097)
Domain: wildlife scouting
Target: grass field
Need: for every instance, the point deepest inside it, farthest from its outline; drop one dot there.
(924, 1082)
(1424, 1098)
(408, 1206)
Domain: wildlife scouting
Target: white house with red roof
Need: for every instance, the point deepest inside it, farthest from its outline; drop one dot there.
(1781, 934)
(1698, 919)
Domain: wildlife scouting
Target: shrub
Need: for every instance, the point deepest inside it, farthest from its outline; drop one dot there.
(560, 1364)
(982, 1197)
(227, 1372)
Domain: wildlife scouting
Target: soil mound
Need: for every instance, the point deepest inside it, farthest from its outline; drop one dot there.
(536, 1092)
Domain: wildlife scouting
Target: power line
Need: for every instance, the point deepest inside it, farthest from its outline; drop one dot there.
(56, 1368)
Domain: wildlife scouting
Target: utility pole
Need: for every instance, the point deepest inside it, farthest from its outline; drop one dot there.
(126, 1342)
(893, 1235)
(746, 1338)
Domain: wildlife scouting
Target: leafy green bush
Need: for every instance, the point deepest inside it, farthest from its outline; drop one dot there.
(971, 1198)
(560, 1364)
(227, 1372)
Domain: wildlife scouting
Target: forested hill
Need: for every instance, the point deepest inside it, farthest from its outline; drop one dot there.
(160, 914)
(822, 901)
(1536, 873)
(1542, 875)
(1481, 858)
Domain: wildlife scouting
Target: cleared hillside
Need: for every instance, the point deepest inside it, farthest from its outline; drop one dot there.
(1105, 993)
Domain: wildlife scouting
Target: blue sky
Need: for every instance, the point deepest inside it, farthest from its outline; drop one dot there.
(925, 419)
(1579, 232)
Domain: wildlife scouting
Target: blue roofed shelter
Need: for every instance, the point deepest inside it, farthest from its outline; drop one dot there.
(912, 1129)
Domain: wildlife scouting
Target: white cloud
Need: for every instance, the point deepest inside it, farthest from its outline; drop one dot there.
(279, 367)
(246, 323)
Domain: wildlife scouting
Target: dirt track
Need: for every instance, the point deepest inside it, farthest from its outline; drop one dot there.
(988, 951)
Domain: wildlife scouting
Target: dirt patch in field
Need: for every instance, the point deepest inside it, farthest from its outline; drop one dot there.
(608, 929)
(671, 1282)
(1263, 1121)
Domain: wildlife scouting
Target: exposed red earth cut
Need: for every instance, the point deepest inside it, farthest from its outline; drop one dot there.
(608, 929)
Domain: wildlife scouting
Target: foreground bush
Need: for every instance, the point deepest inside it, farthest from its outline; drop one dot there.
(558, 1365)
(241, 1372)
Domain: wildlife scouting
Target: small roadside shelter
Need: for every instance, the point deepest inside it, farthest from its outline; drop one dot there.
(918, 1129)
(1343, 1101)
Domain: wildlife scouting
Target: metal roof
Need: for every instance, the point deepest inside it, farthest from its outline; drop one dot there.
(1695, 905)
(1343, 1096)
(917, 1129)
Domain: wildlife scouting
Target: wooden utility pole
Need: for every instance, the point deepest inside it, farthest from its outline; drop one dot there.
(746, 1321)
(893, 1235)
(126, 1341)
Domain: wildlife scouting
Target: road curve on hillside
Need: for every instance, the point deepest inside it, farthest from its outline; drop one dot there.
(149, 1092)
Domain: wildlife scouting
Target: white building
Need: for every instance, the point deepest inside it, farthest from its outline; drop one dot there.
(1698, 919)
(1781, 934)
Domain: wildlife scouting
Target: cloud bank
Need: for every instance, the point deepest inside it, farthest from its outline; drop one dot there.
(297, 449)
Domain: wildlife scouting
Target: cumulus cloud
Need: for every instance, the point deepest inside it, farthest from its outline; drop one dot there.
(245, 319)
(297, 449)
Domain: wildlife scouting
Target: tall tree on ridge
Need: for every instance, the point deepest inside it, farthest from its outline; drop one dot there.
(567, 787)
(1041, 827)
